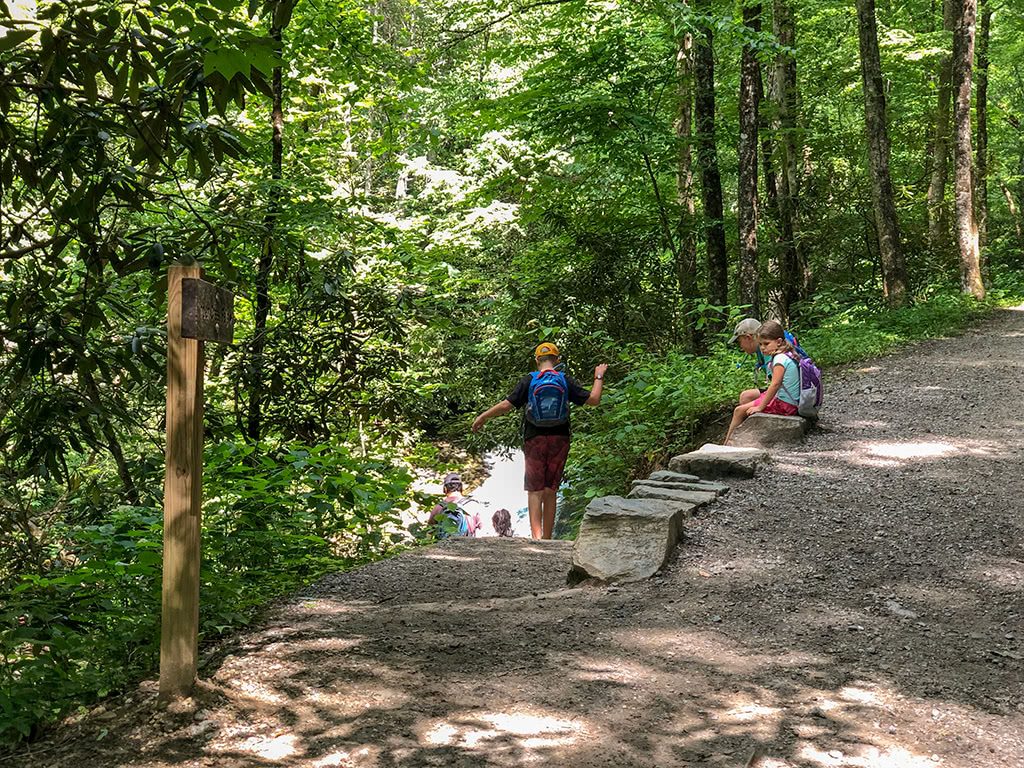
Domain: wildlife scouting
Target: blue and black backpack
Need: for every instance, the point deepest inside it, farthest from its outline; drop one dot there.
(547, 403)
(455, 521)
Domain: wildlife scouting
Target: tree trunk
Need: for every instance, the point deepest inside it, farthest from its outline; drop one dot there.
(707, 159)
(894, 273)
(791, 257)
(966, 226)
(981, 111)
(749, 274)
(768, 128)
(686, 236)
(131, 492)
(938, 224)
(254, 427)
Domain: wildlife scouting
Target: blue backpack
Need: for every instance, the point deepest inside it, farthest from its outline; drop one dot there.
(454, 523)
(547, 403)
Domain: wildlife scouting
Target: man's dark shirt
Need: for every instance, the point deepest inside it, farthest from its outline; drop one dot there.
(518, 397)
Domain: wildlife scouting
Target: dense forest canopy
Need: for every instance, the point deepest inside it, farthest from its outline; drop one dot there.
(406, 197)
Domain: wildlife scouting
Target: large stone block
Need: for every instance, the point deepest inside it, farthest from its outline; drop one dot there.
(626, 539)
(702, 486)
(643, 491)
(763, 430)
(717, 461)
(664, 475)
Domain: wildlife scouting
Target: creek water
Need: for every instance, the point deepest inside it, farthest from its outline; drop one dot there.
(503, 488)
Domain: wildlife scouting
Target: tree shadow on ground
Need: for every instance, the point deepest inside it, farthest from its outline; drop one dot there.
(859, 604)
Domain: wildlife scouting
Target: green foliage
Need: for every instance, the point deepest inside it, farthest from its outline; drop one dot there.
(91, 622)
(457, 181)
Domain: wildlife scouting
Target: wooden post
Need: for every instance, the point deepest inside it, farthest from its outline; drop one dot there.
(183, 494)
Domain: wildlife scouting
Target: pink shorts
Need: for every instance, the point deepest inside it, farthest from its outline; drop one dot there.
(776, 407)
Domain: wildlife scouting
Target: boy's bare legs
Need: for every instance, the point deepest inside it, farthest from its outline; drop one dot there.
(542, 506)
(550, 501)
(535, 501)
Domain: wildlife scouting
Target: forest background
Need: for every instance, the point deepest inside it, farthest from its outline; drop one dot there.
(407, 196)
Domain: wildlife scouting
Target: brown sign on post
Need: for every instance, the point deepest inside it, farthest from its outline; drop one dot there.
(207, 312)
(197, 311)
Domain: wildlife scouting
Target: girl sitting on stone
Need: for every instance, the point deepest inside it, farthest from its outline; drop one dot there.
(783, 394)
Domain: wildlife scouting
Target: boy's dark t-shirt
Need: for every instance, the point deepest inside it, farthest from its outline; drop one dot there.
(518, 397)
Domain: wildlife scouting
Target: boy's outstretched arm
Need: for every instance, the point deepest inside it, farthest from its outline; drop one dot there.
(495, 410)
(598, 387)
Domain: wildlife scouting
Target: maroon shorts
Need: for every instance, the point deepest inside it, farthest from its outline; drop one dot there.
(545, 461)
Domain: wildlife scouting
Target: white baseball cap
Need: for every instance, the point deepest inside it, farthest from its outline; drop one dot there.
(747, 327)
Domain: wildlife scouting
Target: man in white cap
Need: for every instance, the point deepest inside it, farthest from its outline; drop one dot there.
(545, 396)
(746, 334)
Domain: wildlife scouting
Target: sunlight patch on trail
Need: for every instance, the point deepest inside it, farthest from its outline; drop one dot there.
(866, 757)
(912, 450)
(523, 730)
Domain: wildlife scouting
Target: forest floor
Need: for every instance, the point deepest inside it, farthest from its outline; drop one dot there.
(860, 604)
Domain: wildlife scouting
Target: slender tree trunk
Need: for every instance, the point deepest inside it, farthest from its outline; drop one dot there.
(981, 111)
(894, 273)
(966, 226)
(938, 222)
(254, 427)
(686, 234)
(767, 129)
(707, 159)
(131, 492)
(749, 273)
(792, 260)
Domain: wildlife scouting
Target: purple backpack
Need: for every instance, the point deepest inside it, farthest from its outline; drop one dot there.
(811, 391)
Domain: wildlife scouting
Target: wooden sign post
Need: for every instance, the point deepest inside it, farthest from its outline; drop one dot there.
(196, 312)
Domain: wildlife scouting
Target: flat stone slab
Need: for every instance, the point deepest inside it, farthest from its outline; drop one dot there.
(667, 476)
(626, 540)
(718, 461)
(763, 430)
(702, 486)
(698, 498)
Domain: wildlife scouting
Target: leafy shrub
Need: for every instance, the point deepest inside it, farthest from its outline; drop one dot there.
(91, 624)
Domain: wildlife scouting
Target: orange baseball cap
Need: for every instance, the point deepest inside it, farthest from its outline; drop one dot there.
(545, 349)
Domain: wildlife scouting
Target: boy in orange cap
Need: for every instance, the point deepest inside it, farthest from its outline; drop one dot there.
(545, 396)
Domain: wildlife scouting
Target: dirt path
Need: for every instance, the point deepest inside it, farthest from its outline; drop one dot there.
(859, 605)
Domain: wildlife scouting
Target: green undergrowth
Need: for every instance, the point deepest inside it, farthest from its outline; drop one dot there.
(89, 624)
(657, 407)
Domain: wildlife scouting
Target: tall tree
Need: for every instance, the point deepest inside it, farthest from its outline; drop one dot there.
(686, 235)
(894, 273)
(791, 257)
(750, 77)
(707, 159)
(981, 112)
(938, 223)
(281, 12)
(966, 225)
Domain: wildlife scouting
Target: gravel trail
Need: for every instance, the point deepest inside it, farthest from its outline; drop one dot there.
(860, 605)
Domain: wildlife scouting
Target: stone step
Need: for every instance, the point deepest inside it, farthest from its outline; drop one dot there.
(622, 540)
(763, 430)
(664, 475)
(718, 461)
(698, 498)
(704, 486)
